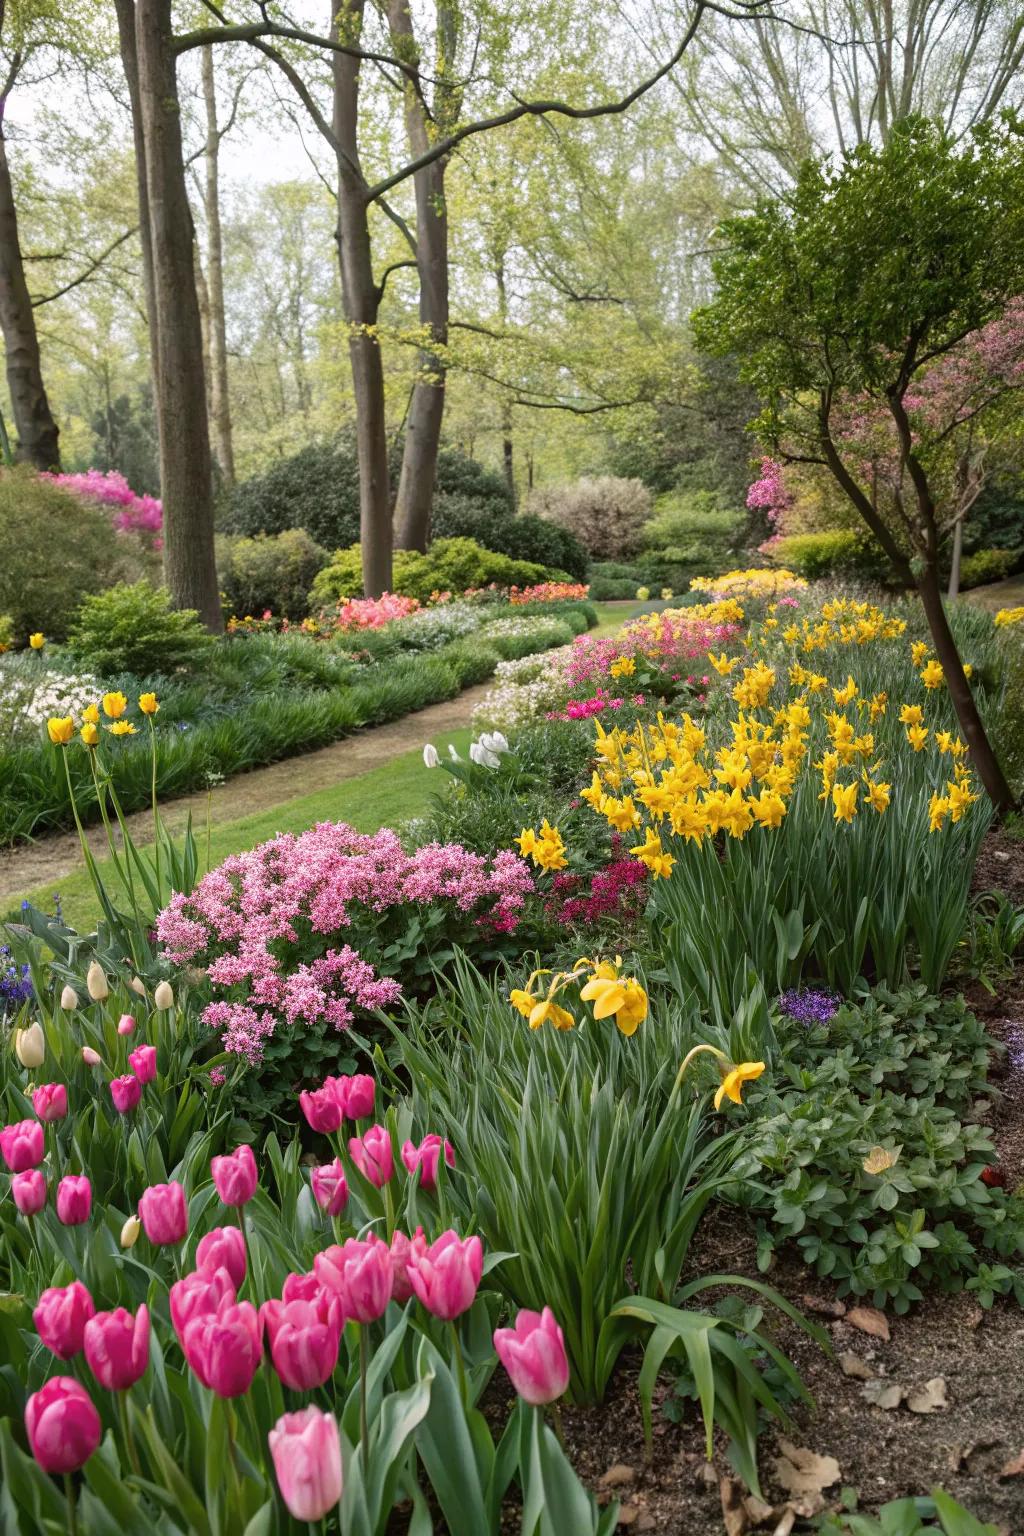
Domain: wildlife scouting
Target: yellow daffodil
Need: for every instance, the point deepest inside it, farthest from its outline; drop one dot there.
(911, 714)
(90, 734)
(621, 998)
(944, 741)
(37, 641)
(122, 728)
(625, 666)
(527, 841)
(877, 706)
(114, 705)
(60, 730)
(723, 664)
(879, 795)
(968, 669)
(651, 853)
(148, 703)
(918, 652)
(1007, 616)
(938, 810)
(547, 1011)
(917, 735)
(846, 694)
(732, 1081)
(932, 674)
(844, 798)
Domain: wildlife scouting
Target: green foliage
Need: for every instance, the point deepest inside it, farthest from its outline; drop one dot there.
(135, 629)
(54, 549)
(7, 632)
(470, 482)
(901, 1071)
(272, 571)
(450, 565)
(986, 565)
(695, 518)
(523, 537)
(316, 489)
(906, 1517)
(832, 552)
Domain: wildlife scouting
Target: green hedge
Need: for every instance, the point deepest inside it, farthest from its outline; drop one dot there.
(450, 565)
(835, 551)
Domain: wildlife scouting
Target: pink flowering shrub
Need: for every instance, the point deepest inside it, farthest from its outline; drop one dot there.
(661, 642)
(373, 612)
(549, 592)
(282, 931)
(132, 513)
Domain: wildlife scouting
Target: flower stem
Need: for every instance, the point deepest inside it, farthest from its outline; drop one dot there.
(460, 1363)
(556, 1415)
(69, 1499)
(126, 1429)
(156, 812)
(364, 1366)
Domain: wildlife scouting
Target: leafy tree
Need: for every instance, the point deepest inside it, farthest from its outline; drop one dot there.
(843, 294)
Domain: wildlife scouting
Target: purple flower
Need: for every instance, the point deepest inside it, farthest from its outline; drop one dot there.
(810, 1007)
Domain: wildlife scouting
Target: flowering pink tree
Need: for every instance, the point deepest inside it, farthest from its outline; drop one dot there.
(131, 513)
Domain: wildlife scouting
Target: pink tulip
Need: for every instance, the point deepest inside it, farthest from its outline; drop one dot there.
(117, 1347)
(143, 1062)
(426, 1158)
(321, 1109)
(74, 1200)
(445, 1276)
(373, 1155)
(22, 1145)
(60, 1316)
(90, 1057)
(199, 1295)
(62, 1424)
(304, 1341)
(224, 1348)
(50, 1102)
(307, 1459)
(326, 1305)
(125, 1024)
(126, 1092)
(223, 1248)
(28, 1191)
(301, 1288)
(360, 1273)
(235, 1176)
(355, 1095)
(164, 1213)
(330, 1187)
(401, 1252)
(533, 1353)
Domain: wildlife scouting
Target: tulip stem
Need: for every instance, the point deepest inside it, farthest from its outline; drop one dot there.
(556, 1414)
(126, 1428)
(364, 1366)
(69, 1498)
(460, 1363)
(156, 813)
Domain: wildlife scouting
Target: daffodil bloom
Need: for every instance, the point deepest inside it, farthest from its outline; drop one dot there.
(879, 795)
(918, 652)
(847, 694)
(844, 798)
(917, 735)
(911, 714)
(90, 734)
(625, 666)
(148, 703)
(60, 730)
(938, 810)
(547, 1011)
(37, 641)
(621, 998)
(932, 674)
(723, 664)
(944, 741)
(731, 1086)
(527, 841)
(114, 705)
(122, 728)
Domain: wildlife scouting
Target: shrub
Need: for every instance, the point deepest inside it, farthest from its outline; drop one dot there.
(463, 479)
(54, 548)
(135, 629)
(986, 565)
(272, 571)
(606, 514)
(450, 565)
(696, 521)
(523, 538)
(6, 632)
(832, 552)
(316, 489)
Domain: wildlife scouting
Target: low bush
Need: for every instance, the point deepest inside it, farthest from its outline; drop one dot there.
(55, 548)
(694, 521)
(271, 571)
(466, 480)
(522, 538)
(135, 629)
(316, 489)
(836, 551)
(607, 515)
(450, 565)
(987, 565)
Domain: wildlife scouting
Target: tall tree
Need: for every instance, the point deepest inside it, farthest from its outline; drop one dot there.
(219, 400)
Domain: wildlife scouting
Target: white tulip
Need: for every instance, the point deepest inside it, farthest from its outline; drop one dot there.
(494, 741)
(96, 983)
(69, 999)
(130, 1232)
(453, 754)
(163, 997)
(138, 986)
(30, 1045)
(431, 756)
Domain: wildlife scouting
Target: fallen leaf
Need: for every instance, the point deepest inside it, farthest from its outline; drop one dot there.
(617, 1476)
(929, 1398)
(823, 1306)
(884, 1394)
(758, 1512)
(734, 1514)
(870, 1320)
(1014, 1467)
(628, 1514)
(807, 1506)
(802, 1471)
(852, 1365)
(881, 1159)
(646, 1521)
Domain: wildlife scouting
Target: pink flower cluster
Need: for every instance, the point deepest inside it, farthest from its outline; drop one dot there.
(374, 612)
(549, 592)
(134, 514)
(584, 709)
(618, 891)
(664, 639)
(241, 913)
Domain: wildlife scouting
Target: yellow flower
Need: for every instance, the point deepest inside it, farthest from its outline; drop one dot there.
(1007, 616)
(651, 853)
(625, 666)
(148, 703)
(547, 1011)
(847, 694)
(968, 669)
(621, 814)
(911, 714)
(878, 795)
(60, 730)
(527, 841)
(114, 705)
(613, 997)
(932, 674)
(723, 664)
(845, 801)
(938, 810)
(917, 735)
(768, 809)
(37, 641)
(944, 741)
(91, 714)
(918, 652)
(90, 734)
(666, 594)
(524, 1002)
(877, 706)
(733, 1080)
(122, 728)
(642, 594)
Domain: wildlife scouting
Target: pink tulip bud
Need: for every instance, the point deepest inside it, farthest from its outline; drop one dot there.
(533, 1353)
(330, 1187)
(426, 1158)
(117, 1347)
(90, 1057)
(74, 1200)
(143, 1062)
(401, 1252)
(360, 1273)
(62, 1424)
(125, 1024)
(354, 1095)
(60, 1316)
(223, 1248)
(321, 1109)
(50, 1102)
(164, 1213)
(22, 1145)
(224, 1348)
(307, 1459)
(445, 1276)
(235, 1176)
(303, 1341)
(373, 1155)
(199, 1295)
(126, 1092)
(301, 1288)
(28, 1190)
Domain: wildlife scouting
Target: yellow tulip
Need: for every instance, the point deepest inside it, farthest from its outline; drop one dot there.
(91, 714)
(122, 728)
(148, 703)
(60, 730)
(90, 734)
(30, 1046)
(733, 1080)
(37, 641)
(114, 705)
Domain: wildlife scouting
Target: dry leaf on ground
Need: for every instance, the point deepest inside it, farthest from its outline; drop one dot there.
(929, 1398)
(870, 1320)
(802, 1471)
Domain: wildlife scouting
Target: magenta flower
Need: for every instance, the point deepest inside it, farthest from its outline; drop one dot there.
(22, 1145)
(50, 1102)
(321, 1109)
(60, 1316)
(224, 1348)
(117, 1347)
(426, 1158)
(164, 1213)
(74, 1199)
(401, 1251)
(446, 1276)
(126, 1092)
(62, 1424)
(301, 1287)
(330, 1187)
(223, 1248)
(199, 1295)
(235, 1176)
(373, 1155)
(355, 1095)
(125, 1025)
(306, 1449)
(360, 1273)
(28, 1191)
(304, 1338)
(533, 1353)
(143, 1062)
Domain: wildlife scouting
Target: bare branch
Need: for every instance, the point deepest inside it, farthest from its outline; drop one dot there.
(88, 271)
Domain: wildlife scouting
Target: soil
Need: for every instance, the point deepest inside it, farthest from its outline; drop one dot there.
(56, 856)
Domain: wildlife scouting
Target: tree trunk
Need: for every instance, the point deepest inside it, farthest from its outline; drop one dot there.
(360, 299)
(38, 434)
(130, 64)
(507, 450)
(971, 727)
(185, 465)
(220, 405)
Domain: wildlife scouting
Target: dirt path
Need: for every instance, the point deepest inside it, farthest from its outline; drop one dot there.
(54, 857)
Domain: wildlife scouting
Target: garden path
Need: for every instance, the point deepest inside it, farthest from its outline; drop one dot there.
(56, 856)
